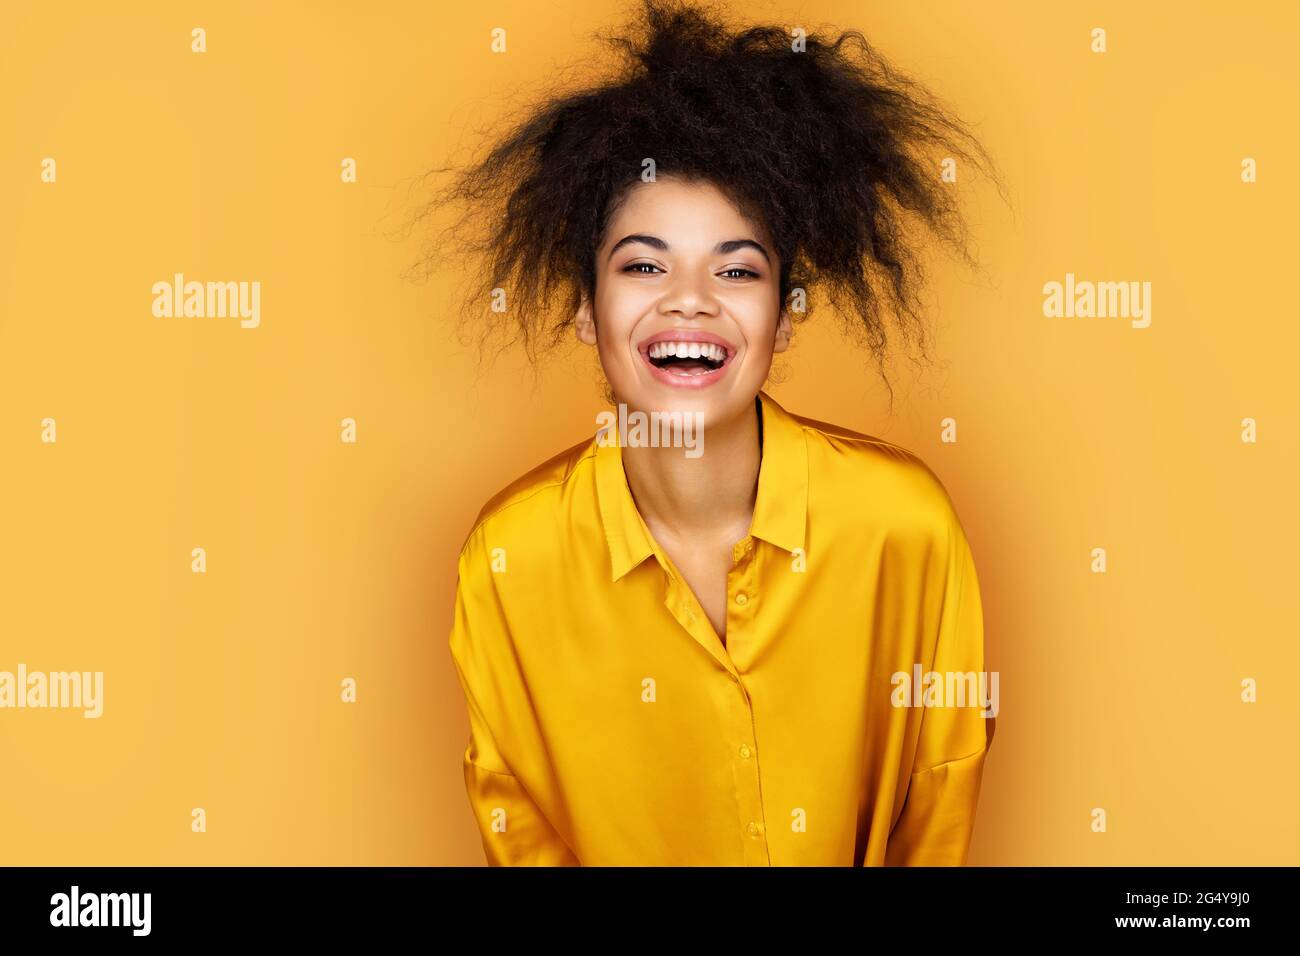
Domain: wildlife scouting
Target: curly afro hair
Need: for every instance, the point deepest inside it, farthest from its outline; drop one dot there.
(816, 137)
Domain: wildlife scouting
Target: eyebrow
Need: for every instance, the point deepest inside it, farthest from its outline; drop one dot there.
(722, 248)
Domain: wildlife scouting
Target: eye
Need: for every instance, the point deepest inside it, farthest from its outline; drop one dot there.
(639, 266)
(744, 273)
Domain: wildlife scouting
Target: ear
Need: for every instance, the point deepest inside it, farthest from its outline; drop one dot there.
(783, 331)
(584, 323)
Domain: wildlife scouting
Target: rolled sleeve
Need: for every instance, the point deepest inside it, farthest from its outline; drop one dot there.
(514, 830)
(935, 825)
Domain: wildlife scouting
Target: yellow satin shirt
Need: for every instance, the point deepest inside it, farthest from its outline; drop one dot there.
(609, 725)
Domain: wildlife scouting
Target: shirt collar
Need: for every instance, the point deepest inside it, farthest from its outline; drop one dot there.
(780, 506)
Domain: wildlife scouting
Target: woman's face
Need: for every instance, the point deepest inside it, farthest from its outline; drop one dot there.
(687, 311)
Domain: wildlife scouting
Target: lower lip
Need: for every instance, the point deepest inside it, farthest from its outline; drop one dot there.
(696, 380)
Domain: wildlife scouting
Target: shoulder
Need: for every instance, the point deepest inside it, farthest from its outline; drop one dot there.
(530, 506)
(879, 480)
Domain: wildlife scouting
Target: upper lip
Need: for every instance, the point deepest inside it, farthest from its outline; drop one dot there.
(687, 335)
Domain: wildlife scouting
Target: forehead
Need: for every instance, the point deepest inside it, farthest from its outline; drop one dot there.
(681, 211)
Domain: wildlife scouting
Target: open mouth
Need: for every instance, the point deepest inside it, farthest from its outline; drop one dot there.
(686, 358)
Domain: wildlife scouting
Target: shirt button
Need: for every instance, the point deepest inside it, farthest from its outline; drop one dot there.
(754, 829)
(744, 750)
(742, 599)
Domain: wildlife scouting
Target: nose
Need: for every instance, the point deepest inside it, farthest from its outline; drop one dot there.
(689, 296)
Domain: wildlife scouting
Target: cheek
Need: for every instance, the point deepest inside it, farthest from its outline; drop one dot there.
(617, 316)
(760, 331)
(613, 345)
(614, 355)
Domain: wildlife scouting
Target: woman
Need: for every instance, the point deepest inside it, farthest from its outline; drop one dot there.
(732, 653)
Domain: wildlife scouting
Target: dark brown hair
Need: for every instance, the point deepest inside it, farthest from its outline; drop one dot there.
(830, 148)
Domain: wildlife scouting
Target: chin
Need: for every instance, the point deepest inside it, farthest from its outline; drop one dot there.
(713, 404)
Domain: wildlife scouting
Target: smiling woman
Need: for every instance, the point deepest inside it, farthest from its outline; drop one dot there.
(826, 147)
(797, 566)
(683, 271)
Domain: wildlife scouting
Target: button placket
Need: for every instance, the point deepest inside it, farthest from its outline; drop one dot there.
(741, 593)
(742, 603)
(749, 793)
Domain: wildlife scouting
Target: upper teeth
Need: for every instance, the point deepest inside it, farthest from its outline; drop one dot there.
(707, 350)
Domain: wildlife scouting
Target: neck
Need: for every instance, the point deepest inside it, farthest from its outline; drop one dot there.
(710, 495)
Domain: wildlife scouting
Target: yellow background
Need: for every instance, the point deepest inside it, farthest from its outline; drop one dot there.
(328, 560)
